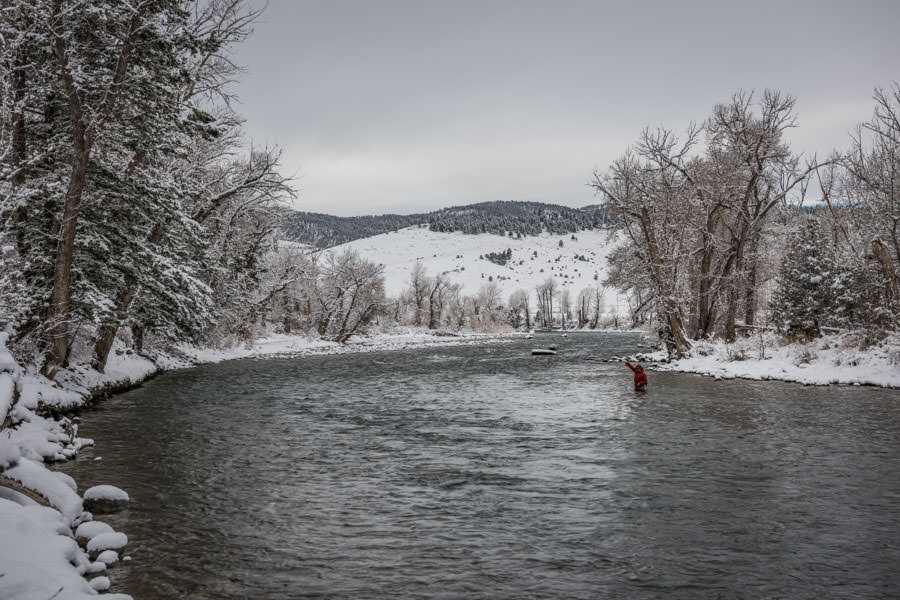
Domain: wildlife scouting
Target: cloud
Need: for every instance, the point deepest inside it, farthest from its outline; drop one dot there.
(407, 106)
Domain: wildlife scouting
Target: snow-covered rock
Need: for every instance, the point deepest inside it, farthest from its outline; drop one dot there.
(100, 584)
(98, 566)
(90, 529)
(112, 540)
(105, 498)
(108, 557)
(106, 492)
(7, 393)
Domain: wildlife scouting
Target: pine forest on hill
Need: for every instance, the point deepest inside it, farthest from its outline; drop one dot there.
(499, 217)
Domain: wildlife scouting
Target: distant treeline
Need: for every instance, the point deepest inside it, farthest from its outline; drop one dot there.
(500, 217)
(325, 231)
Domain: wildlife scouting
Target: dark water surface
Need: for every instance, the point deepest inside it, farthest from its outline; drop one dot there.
(484, 472)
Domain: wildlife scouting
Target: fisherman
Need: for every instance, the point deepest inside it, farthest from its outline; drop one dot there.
(640, 376)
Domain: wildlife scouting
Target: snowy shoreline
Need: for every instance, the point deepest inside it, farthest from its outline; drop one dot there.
(829, 360)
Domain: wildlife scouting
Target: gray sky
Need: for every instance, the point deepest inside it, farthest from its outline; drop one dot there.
(410, 106)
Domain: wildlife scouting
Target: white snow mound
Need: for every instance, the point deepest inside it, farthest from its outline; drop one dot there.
(107, 541)
(106, 492)
(91, 529)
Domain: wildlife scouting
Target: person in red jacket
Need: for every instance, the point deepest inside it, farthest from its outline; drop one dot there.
(640, 376)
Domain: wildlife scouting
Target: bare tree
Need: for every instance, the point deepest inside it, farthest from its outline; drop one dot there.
(439, 291)
(694, 218)
(565, 307)
(348, 294)
(519, 307)
(418, 291)
(545, 294)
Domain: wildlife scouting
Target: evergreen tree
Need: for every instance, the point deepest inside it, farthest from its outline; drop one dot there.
(809, 286)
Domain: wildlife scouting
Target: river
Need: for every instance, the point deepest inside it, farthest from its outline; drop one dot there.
(485, 472)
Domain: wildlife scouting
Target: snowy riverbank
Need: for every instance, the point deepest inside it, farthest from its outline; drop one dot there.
(51, 546)
(831, 359)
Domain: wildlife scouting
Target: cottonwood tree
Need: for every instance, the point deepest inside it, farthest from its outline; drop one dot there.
(519, 309)
(588, 308)
(418, 292)
(488, 305)
(440, 291)
(545, 295)
(565, 307)
(770, 176)
(648, 202)
(347, 294)
(695, 217)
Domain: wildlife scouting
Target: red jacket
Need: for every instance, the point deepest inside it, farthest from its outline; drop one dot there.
(640, 375)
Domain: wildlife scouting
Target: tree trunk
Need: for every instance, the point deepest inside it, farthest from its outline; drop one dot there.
(18, 147)
(705, 305)
(750, 285)
(883, 255)
(680, 345)
(123, 301)
(735, 284)
(58, 315)
(137, 338)
(107, 333)
(750, 297)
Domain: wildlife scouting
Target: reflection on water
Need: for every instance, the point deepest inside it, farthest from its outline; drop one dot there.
(487, 472)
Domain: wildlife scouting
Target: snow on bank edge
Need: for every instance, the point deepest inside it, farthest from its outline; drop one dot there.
(280, 345)
(831, 359)
(39, 556)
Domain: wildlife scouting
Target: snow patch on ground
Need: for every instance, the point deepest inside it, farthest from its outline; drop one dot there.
(831, 359)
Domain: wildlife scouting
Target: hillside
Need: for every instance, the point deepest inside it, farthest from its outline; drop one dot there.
(518, 219)
(576, 261)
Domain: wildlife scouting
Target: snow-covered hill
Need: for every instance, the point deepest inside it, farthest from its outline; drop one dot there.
(576, 261)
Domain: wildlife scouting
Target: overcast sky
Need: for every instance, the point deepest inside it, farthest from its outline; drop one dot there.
(410, 106)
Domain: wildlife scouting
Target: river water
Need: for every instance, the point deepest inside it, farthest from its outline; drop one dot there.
(485, 472)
